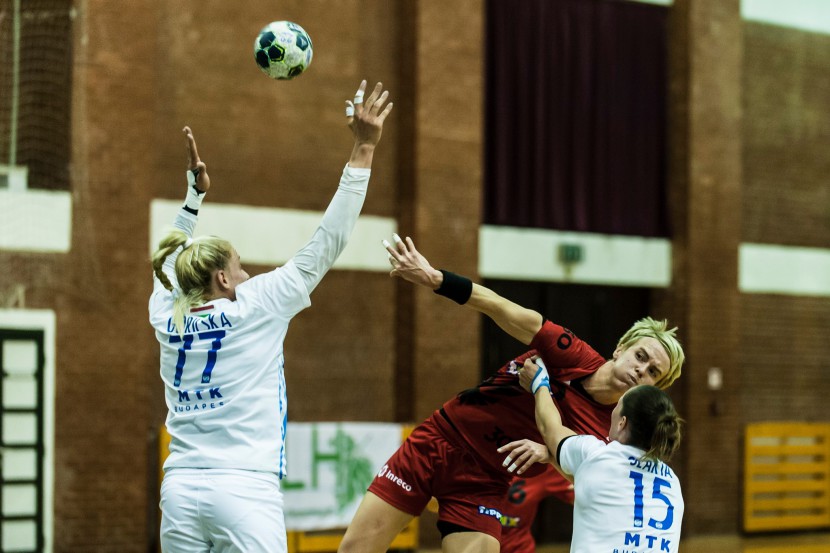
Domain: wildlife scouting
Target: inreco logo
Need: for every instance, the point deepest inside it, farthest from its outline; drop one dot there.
(389, 475)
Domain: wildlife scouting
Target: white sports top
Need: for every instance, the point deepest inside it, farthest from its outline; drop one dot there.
(223, 379)
(622, 504)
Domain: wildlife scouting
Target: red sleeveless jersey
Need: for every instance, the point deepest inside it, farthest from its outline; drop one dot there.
(498, 411)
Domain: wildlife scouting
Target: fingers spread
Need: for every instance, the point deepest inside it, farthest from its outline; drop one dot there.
(373, 97)
(511, 446)
(377, 104)
(385, 112)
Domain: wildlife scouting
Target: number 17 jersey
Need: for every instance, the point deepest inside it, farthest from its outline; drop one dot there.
(223, 377)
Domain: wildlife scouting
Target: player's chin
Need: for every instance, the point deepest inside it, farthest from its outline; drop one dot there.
(624, 383)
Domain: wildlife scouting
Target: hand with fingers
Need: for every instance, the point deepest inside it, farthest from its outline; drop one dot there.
(534, 375)
(408, 264)
(522, 454)
(195, 165)
(366, 117)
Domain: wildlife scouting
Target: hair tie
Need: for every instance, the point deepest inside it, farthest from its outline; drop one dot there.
(188, 243)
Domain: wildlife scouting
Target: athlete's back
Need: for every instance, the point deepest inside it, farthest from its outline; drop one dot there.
(623, 503)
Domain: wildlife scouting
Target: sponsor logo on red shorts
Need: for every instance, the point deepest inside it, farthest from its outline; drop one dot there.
(490, 512)
(389, 475)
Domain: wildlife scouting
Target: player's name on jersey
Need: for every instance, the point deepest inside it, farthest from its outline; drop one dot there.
(208, 321)
(651, 466)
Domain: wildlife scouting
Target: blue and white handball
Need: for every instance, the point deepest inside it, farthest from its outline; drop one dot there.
(283, 50)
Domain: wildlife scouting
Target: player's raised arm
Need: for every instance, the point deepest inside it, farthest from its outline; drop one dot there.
(198, 182)
(365, 119)
(408, 264)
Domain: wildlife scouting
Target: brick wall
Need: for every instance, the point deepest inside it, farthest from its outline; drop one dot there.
(786, 132)
(784, 339)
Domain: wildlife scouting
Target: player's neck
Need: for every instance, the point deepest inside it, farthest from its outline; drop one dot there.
(600, 385)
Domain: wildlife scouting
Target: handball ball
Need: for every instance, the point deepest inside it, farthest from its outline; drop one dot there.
(283, 50)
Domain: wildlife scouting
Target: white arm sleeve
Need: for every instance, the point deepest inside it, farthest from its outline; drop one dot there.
(330, 238)
(574, 450)
(186, 221)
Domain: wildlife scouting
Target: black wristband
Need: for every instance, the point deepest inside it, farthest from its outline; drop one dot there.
(455, 287)
(196, 172)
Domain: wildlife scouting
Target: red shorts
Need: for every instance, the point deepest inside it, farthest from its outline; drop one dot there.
(433, 462)
(521, 506)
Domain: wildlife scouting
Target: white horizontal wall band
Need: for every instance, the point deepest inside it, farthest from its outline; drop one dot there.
(36, 221)
(40, 221)
(769, 269)
(807, 15)
(271, 236)
(532, 254)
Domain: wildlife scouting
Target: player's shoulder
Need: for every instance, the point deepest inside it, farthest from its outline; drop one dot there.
(586, 441)
(582, 445)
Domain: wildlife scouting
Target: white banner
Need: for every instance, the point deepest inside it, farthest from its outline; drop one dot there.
(330, 465)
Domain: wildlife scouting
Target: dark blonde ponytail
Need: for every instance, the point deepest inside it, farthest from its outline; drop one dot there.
(194, 269)
(167, 246)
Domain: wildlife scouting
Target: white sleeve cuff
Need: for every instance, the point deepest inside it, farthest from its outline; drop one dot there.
(356, 172)
(193, 200)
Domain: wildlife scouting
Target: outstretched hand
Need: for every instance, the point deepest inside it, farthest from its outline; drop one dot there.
(408, 264)
(193, 162)
(366, 118)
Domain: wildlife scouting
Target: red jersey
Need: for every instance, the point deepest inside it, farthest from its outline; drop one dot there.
(499, 411)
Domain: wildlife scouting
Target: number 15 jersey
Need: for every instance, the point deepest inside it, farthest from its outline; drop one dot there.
(622, 502)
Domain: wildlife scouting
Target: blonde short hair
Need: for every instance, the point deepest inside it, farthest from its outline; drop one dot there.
(649, 328)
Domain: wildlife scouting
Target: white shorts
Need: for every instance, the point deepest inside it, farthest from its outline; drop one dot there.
(218, 510)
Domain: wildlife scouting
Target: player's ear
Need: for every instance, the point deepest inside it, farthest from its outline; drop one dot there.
(617, 352)
(221, 279)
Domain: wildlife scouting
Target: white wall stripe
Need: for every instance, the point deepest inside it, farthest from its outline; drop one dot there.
(35, 221)
(271, 236)
(532, 254)
(807, 15)
(769, 269)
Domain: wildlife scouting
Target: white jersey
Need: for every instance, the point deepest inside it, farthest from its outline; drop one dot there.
(622, 504)
(223, 378)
